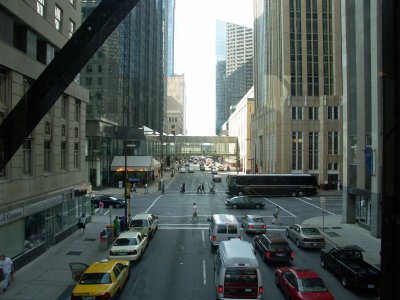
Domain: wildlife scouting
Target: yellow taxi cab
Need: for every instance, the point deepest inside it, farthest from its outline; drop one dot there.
(101, 280)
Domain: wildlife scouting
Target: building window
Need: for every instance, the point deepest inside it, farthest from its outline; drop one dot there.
(89, 69)
(76, 132)
(88, 81)
(99, 81)
(313, 113)
(76, 156)
(333, 113)
(47, 129)
(333, 142)
(47, 156)
(57, 17)
(333, 166)
(99, 68)
(77, 111)
(3, 84)
(40, 7)
(63, 156)
(313, 143)
(353, 150)
(64, 107)
(27, 157)
(71, 27)
(297, 150)
(297, 113)
(63, 130)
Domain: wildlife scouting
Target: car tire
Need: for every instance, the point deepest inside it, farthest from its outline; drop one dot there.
(301, 194)
(298, 243)
(234, 206)
(293, 194)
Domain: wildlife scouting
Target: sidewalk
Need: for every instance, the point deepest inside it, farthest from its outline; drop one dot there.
(342, 234)
(49, 276)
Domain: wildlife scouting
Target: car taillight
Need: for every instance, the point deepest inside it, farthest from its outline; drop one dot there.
(134, 252)
(214, 238)
(220, 289)
(111, 253)
(268, 255)
(240, 237)
(251, 226)
(291, 254)
(106, 296)
(264, 227)
(260, 290)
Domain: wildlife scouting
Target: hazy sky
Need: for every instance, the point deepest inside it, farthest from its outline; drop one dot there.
(195, 23)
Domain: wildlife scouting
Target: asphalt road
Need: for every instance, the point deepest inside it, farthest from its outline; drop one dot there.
(178, 263)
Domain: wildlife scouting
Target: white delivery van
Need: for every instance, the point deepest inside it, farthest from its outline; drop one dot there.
(223, 227)
(237, 274)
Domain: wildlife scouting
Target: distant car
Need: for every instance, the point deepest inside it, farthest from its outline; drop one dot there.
(253, 224)
(109, 201)
(301, 284)
(190, 170)
(182, 170)
(144, 223)
(129, 245)
(306, 236)
(273, 247)
(244, 202)
(202, 168)
(221, 168)
(216, 178)
(214, 171)
(101, 280)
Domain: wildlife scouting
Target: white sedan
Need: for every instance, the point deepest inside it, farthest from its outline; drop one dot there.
(129, 246)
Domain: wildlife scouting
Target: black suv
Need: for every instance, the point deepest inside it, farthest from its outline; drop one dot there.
(273, 247)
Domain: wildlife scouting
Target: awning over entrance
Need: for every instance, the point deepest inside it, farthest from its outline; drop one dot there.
(135, 163)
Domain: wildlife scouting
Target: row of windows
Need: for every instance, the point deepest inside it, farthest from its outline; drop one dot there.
(313, 113)
(89, 68)
(172, 119)
(27, 156)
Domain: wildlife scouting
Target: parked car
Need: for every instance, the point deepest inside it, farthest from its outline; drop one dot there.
(182, 170)
(144, 223)
(306, 236)
(103, 279)
(216, 178)
(214, 170)
(348, 264)
(109, 201)
(273, 247)
(244, 202)
(301, 284)
(129, 245)
(254, 224)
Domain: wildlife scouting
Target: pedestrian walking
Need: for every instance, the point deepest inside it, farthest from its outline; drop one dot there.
(7, 268)
(194, 213)
(146, 191)
(117, 225)
(183, 188)
(276, 216)
(198, 188)
(134, 188)
(128, 221)
(82, 224)
(202, 188)
(101, 207)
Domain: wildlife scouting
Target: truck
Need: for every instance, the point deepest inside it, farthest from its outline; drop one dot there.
(347, 263)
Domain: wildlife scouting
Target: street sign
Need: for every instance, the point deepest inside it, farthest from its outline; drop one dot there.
(322, 200)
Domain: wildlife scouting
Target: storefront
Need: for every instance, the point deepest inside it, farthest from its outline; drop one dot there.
(27, 232)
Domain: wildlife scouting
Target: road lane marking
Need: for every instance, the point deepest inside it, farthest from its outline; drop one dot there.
(204, 272)
(281, 208)
(154, 202)
(203, 239)
(316, 206)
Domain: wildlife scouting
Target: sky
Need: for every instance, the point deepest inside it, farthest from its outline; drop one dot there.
(195, 23)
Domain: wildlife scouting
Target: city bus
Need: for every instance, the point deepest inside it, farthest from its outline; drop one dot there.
(272, 184)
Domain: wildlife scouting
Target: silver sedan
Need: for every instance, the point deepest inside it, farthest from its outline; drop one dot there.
(254, 224)
(306, 236)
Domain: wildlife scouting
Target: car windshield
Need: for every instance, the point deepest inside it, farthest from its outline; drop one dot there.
(311, 231)
(311, 285)
(95, 278)
(125, 242)
(138, 223)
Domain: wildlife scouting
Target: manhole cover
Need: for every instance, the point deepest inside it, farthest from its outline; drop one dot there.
(332, 234)
(89, 239)
(74, 253)
(336, 227)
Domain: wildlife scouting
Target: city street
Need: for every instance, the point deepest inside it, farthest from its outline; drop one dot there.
(178, 263)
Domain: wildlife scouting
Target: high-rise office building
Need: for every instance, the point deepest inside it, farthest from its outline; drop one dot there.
(176, 104)
(297, 126)
(234, 67)
(170, 37)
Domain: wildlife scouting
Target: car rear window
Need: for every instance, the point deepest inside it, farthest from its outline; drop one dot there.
(125, 242)
(221, 229)
(240, 275)
(232, 229)
(138, 223)
(311, 285)
(95, 278)
(310, 231)
(258, 220)
(280, 247)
